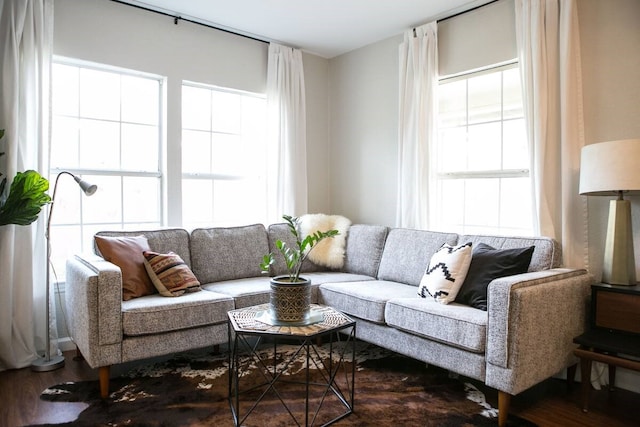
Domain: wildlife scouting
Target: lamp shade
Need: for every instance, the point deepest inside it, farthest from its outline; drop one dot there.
(89, 189)
(607, 168)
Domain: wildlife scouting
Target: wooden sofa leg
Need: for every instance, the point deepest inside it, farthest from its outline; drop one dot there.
(504, 399)
(103, 373)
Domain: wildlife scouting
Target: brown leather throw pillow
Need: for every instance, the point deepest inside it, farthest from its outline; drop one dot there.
(126, 253)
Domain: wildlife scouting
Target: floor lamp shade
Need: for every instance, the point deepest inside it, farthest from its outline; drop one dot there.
(50, 362)
(612, 169)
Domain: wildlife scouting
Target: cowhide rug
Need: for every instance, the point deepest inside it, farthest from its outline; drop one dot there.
(191, 389)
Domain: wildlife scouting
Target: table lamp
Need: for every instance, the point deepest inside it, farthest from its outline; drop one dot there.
(613, 169)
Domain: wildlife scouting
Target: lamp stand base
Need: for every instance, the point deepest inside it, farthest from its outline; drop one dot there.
(619, 261)
(41, 364)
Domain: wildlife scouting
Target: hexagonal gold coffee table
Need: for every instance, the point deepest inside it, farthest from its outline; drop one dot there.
(250, 328)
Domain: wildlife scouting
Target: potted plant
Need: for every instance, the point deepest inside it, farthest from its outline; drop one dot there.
(291, 294)
(27, 195)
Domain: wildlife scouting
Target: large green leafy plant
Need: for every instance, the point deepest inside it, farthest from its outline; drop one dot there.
(295, 255)
(27, 195)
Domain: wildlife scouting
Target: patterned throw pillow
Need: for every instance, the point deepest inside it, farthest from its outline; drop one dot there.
(169, 274)
(446, 273)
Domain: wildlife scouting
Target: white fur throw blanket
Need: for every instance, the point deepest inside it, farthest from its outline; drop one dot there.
(329, 252)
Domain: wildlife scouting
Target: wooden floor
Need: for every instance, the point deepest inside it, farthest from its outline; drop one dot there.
(547, 404)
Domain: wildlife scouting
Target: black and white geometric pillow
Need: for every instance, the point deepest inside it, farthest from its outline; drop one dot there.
(446, 273)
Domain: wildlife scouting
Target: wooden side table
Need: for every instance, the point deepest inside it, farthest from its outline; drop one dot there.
(613, 336)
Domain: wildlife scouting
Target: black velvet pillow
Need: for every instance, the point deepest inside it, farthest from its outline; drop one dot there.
(488, 263)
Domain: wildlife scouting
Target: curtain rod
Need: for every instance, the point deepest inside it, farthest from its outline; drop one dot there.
(467, 11)
(177, 18)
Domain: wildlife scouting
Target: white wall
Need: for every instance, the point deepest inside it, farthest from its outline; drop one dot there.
(610, 38)
(316, 75)
(363, 130)
(111, 33)
(363, 109)
(610, 42)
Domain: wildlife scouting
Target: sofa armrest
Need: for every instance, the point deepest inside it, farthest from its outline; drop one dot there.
(532, 320)
(93, 296)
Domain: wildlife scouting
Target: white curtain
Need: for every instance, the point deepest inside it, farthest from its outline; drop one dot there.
(287, 132)
(417, 124)
(26, 29)
(549, 53)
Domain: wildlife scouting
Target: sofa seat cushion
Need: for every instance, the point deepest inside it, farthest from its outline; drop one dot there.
(256, 290)
(245, 292)
(363, 299)
(154, 314)
(321, 277)
(453, 324)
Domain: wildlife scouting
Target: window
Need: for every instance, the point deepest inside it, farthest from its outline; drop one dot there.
(106, 127)
(224, 152)
(481, 160)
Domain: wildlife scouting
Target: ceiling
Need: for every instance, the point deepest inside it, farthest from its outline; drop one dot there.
(326, 28)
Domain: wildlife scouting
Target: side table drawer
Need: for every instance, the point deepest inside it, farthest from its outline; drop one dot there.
(619, 311)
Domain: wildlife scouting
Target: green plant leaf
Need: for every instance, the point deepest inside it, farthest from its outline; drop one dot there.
(295, 256)
(27, 196)
(267, 262)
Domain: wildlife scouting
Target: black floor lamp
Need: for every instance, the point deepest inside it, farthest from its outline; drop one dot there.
(49, 362)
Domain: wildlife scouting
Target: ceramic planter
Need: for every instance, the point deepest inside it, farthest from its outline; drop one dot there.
(290, 302)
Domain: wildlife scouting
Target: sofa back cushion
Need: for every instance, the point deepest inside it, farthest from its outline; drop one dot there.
(162, 241)
(227, 253)
(407, 253)
(365, 244)
(547, 253)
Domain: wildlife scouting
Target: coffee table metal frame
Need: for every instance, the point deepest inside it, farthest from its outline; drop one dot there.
(246, 336)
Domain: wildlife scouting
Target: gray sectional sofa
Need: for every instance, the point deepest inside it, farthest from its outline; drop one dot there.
(524, 337)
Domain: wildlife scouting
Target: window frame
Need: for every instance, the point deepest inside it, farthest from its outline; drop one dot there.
(214, 176)
(440, 177)
(159, 174)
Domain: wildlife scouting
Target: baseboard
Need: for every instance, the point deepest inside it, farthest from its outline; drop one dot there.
(625, 379)
(66, 344)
